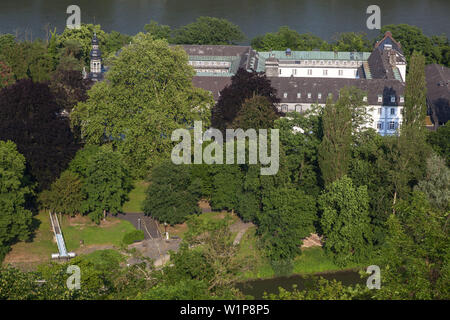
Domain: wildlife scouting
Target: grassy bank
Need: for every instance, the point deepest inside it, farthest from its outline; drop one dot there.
(136, 197)
(312, 260)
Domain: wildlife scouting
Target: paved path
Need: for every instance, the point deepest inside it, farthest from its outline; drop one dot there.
(149, 223)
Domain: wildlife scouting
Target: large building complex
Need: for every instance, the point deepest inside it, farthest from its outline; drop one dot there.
(304, 78)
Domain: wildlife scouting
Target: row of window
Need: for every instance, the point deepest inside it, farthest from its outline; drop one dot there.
(322, 62)
(319, 96)
(325, 72)
(391, 125)
(210, 63)
(393, 111)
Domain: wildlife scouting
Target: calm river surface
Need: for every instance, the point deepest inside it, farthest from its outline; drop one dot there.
(256, 288)
(321, 17)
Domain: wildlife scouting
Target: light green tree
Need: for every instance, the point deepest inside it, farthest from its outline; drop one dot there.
(345, 221)
(15, 219)
(148, 93)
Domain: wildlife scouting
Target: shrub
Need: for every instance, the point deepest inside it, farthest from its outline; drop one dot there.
(133, 236)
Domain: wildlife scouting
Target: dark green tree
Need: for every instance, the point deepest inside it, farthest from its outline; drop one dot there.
(173, 194)
(208, 30)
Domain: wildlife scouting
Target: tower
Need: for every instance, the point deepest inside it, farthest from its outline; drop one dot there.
(96, 73)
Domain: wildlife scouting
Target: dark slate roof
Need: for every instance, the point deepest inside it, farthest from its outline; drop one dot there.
(94, 39)
(292, 86)
(211, 84)
(325, 86)
(438, 92)
(96, 53)
(379, 65)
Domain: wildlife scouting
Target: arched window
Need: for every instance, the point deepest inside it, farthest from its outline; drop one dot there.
(284, 108)
(298, 108)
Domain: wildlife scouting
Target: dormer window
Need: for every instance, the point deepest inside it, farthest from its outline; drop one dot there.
(309, 95)
(380, 98)
(299, 95)
(392, 98)
(365, 98)
(319, 96)
(402, 99)
(285, 95)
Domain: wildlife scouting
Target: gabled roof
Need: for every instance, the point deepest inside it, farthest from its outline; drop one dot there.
(388, 39)
(438, 92)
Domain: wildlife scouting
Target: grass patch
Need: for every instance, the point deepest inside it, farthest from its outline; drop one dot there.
(39, 249)
(136, 196)
(110, 232)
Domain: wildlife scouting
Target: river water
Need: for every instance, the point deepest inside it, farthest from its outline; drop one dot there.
(321, 17)
(256, 288)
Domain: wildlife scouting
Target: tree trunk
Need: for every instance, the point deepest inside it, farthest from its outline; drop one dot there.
(393, 205)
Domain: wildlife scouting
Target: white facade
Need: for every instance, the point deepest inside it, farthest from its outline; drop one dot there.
(318, 72)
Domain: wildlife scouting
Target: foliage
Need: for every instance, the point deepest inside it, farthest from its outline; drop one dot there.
(435, 49)
(106, 184)
(436, 184)
(439, 140)
(30, 116)
(345, 221)
(133, 236)
(28, 60)
(6, 75)
(244, 85)
(287, 38)
(208, 30)
(173, 194)
(15, 219)
(256, 113)
(320, 289)
(334, 150)
(158, 31)
(148, 94)
(78, 42)
(65, 195)
(415, 257)
(69, 88)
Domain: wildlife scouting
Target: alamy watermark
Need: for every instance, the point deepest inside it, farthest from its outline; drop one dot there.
(374, 280)
(74, 20)
(74, 280)
(374, 21)
(213, 152)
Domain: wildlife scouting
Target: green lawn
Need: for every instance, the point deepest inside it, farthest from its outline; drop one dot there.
(40, 248)
(93, 234)
(137, 197)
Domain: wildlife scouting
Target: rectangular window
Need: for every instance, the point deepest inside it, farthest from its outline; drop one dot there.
(294, 71)
(380, 98)
(299, 95)
(402, 99)
(392, 125)
(392, 111)
(319, 96)
(280, 71)
(309, 95)
(341, 72)
(309, 72)
(380, 125)
(325, 72)
(380, 110)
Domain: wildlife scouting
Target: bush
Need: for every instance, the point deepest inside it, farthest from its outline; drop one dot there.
(133, 236)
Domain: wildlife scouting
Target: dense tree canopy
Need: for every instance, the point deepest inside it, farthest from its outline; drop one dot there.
(30, 116)
(345, 221)
(173, 194)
